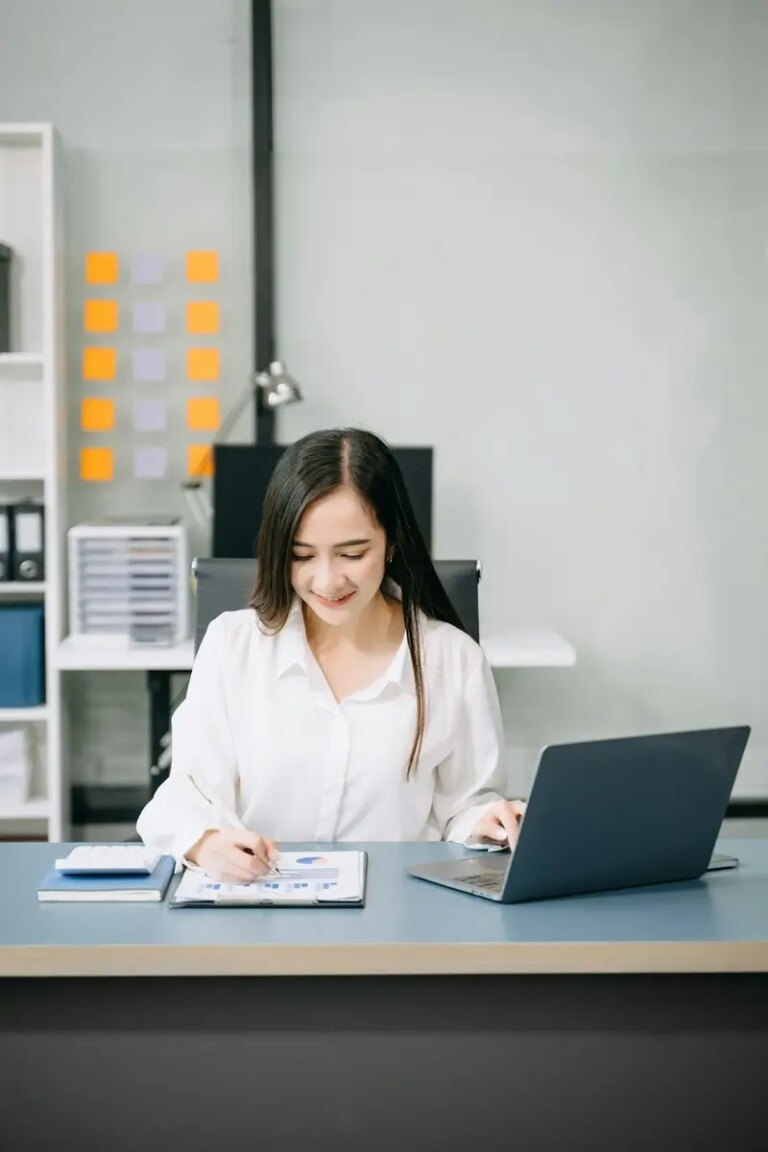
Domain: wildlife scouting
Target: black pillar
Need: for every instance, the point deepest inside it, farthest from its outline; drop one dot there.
(263, 207)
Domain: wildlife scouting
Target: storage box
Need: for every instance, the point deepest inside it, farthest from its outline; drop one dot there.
(16, 765)
(22, 656)
(5, 298)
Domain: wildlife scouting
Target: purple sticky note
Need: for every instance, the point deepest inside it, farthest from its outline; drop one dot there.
(148, 364)
(150, 463)
(147, 269)
(150, 415)
(148, 316)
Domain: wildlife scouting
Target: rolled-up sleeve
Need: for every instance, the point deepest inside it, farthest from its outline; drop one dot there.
(202, 750)
(473, 775)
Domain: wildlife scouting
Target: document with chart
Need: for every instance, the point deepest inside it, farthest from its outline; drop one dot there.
(305, 878)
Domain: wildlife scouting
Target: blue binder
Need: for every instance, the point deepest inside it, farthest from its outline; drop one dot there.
(22, 655)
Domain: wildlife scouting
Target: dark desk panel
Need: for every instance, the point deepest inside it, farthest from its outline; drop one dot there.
(527, 1062)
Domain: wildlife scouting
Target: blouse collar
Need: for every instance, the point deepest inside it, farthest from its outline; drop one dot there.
(293, 651)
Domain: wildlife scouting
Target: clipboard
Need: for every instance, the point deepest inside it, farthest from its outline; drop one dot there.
(306, 880)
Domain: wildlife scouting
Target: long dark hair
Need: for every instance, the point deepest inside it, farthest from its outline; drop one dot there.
(313, 467)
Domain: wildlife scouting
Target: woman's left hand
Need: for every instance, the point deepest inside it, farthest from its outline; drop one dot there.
(500, 822)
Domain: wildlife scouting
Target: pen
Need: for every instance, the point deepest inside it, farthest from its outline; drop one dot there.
(273, 868)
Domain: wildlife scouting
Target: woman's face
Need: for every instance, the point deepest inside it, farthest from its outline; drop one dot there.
(338, 557)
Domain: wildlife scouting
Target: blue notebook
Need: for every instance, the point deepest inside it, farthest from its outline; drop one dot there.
(57, 887)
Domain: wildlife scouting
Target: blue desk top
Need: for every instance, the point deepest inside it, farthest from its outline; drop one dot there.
(719, 923)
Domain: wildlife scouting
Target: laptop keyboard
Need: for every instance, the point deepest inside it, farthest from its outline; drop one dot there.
(489, 876)
(482, 880)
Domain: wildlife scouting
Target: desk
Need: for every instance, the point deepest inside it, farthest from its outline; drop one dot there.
(619, 1020)
(526, 648)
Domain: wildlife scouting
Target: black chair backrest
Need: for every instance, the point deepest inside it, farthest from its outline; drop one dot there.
(225, 585)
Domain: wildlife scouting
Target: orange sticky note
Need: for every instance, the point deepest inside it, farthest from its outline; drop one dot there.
(97, 415)
(202, 316)
(97, 464)
(203, 413)
(202, 267)
(100, 316)
(203, 363)
(199, 460)
(101, 267)
(99, 363)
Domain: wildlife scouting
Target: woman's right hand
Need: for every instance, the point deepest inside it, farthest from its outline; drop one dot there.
(233, 855)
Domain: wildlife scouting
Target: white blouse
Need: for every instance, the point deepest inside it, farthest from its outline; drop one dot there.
(260, 737)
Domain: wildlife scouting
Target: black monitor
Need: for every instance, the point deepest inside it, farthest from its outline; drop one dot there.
(241, 475)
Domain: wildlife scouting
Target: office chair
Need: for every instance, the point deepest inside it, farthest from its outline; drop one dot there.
(223, 585)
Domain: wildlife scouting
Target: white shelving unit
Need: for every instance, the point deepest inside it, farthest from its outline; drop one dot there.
(32, 440)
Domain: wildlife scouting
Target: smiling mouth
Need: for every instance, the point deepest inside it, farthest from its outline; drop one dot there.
(335, 602)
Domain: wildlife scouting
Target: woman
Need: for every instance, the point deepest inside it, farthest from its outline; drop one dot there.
(346, 702)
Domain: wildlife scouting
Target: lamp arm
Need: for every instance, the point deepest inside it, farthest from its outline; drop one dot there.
(228, 422)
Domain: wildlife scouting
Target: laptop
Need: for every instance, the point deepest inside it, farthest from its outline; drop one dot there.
(607, 814)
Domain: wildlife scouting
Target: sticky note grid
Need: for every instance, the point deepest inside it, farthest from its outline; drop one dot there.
(130, 343)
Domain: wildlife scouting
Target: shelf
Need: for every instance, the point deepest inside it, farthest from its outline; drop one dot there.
(22, 474)
(21, 359)
(76, 654)
(21, 380)
(13, 715)
(22, 588)
(24, 133)
(37, 808)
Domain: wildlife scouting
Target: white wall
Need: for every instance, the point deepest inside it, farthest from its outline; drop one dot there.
(531, 233)
(534, 234)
